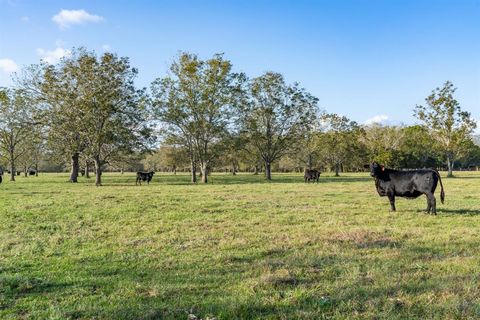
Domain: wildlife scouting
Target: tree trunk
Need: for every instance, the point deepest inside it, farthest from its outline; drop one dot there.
(25, 171)
(121, 170)
(337, 169)
(310, 161)
(12, 166)
(234, 169)
(204, 170)
(255, 170)
(98, 171)
(36, 169)
(87, 170)
(268, 170)
(174, 170)
(450, 166)
(75, 168)
(193, 171)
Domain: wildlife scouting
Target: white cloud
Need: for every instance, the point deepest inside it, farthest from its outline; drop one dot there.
(66, 18)
(376, 119)
(53, 56)
(8, 65)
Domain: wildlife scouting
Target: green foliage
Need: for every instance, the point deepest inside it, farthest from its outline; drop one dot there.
(339, 141)
(93, 107)
(273, 119)
(196, 104)
(449, 124)
(16, 125)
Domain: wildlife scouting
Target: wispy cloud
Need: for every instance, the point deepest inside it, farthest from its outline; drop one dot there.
(106, 47)
(53, 56)
(66, 18)
(8, 66)
(379, 119)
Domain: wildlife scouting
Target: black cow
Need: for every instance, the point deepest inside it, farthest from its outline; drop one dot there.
(407, 183)
(1, 174)
(144, 176)
(312, 174)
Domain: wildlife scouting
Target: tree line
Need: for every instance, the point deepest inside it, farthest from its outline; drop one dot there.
(85, 112)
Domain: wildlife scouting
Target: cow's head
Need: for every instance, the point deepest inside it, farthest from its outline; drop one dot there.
(375, 169)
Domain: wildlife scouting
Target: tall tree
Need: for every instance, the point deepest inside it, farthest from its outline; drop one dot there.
(449, 124)
(92, 107)
(339, 140)
(274, 116)
(382, 143)
(16, 109)
(195, 105)
(114, 112)
(56, 89)
(418, 149)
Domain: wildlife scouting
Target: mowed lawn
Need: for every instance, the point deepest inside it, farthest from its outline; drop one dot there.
(238, 248)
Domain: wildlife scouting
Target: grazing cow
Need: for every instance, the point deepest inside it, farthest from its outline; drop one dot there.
(313, 175)
(407, 183)
(1, 173)
(31, 172)
(144, 176)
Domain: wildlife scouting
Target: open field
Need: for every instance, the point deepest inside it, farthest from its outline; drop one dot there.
(236, 248)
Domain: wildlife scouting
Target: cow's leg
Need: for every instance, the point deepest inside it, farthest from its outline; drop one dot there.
(431, 203)
(392, 202)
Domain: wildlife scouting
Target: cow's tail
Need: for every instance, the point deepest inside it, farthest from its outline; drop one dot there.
(442, 192)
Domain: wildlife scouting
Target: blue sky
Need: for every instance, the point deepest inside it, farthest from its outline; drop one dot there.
(363, 59)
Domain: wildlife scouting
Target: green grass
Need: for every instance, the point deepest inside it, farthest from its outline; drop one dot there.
(236, 248)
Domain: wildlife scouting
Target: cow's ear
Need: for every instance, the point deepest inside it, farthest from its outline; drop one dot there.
(383, 168)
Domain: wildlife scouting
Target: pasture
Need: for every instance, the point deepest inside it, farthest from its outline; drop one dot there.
(237, 248)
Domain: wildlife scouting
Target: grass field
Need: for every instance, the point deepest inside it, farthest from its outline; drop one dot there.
(236, 248)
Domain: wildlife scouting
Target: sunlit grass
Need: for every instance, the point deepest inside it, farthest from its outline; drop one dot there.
(239, 247)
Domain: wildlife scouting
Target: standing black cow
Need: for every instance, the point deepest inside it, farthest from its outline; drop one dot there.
(312, 174)
(408, 184)
(144, 176)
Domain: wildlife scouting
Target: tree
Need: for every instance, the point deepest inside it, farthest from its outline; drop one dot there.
(449, 124)
(195, 106)
(57, 90)
(274, 116)
(232, 151)
(382, 143)
(17, 112)
(417, 149)
(92, 108)
(306, 152)
(31, 150)
(114, 112)
(339, 140)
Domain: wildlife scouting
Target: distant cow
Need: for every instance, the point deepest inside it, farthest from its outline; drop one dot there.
(407, 183)
(1, 174)
(31, 172)
(311, 175)
(144, 176)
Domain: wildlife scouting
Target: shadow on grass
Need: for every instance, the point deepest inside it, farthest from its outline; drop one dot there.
(460, 211)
